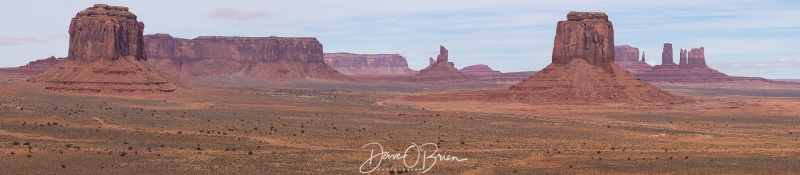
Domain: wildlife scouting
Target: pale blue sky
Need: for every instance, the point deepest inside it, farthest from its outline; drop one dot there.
(506, 35)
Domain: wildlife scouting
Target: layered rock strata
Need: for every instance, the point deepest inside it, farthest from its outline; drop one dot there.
(271, 58)
(583, 69)
(368, 64)
(106, 55)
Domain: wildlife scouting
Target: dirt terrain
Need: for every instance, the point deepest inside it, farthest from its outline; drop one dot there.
(293, 129)
(107, 111)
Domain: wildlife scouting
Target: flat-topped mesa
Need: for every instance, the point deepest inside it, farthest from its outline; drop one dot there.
(104, 10)
(242, 49)
(585, 35)
(256, 39)
(106, 55)
(627, 57)
(105, 32)
(368, 64)
(271, 58)
(479, 69)
(580, 16)
(697, 57)
(626, 53)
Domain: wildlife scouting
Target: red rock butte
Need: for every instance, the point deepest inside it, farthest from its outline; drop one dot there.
(479, 69)
(690, 68)
(270, 58)
(627, 57)
(106, 55)
(368, 64)
(441, 70)
(31, 69)
(583, 69)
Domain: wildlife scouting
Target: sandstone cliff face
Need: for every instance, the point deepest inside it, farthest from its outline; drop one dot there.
(239, 49)
(106, 55)
(479, 70)
(105, 32)
(583, 71)
(626, 53)
(368, 64)
(666, 55)
(274, 58)
(697, 57)
(588, 36)
(627, 57)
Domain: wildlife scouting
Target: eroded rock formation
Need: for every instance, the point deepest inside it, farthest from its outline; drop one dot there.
(626, 53)
(106, 55)
(29, 70)
(583, 69)
(666, 55)
(697, 57)
(272, 58)
(441, 70)
(627, 57)
(643, 60)
(585, 35)
(692, 68)
(479, 70)
(368, 64)
(683, 62)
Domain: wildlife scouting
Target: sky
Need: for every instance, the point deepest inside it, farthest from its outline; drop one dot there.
(741, 37)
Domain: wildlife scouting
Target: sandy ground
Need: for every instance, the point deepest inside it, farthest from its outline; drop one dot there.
(322, 128)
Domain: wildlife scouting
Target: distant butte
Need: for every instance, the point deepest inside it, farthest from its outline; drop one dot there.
(441, 70)
(627, 57)
(691, 68)
(479, 69)
(31, 69)
(583, 69)
(269, 58)
(106, 56)
(368, 64)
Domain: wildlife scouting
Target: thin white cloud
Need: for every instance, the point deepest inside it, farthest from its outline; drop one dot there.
(782, 67)
(233, 14)
(58, 35)
(17, 40)
(766, 63)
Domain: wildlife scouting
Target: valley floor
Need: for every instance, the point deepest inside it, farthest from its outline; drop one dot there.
(328, 130)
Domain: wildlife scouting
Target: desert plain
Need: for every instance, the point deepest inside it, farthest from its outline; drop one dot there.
(127, 103)
(293, 129)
